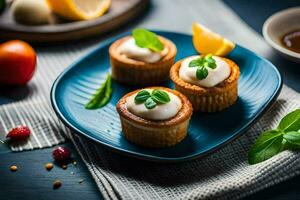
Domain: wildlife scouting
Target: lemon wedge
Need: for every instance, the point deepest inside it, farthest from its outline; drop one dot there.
(206, 41)
(79, 9)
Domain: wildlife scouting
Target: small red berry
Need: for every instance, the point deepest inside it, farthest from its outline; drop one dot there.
(61, 154)
(19, 133)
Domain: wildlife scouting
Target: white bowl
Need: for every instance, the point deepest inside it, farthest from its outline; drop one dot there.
(280, 24)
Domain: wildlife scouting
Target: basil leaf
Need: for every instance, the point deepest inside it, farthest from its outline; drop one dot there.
(201, 73)
(196, 62)
(267, 145)
(102, 95)
(202, 64)
(292, 137)
(147, 39)
(210, 62)
(107, 94)
(291, 122)
(149, 104)
(160, 96)
(290, 146)
(141, 96)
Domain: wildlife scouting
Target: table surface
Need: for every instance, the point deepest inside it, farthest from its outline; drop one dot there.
(32, 181)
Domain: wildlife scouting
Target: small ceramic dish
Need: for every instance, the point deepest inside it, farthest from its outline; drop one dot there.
(280, 24)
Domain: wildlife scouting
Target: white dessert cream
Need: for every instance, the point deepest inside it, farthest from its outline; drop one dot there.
(214, 77)
(159, 112)
(131, 50)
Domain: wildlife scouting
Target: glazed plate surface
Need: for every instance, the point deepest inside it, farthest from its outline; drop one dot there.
(259, 86)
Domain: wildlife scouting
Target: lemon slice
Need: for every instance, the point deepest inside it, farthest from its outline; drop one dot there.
(79, 9)
(206, 41)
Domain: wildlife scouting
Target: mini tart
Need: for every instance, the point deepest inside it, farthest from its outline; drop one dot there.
(155, 134)
(135, 72)
(211, 99)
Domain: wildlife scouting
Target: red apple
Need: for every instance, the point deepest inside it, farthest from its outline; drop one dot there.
(17, 62)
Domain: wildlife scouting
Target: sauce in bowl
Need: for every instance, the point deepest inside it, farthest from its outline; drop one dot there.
(291, 41)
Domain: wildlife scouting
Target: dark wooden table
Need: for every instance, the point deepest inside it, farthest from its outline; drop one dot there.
(32, 181)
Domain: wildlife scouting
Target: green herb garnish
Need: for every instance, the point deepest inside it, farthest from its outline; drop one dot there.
(271, 142)
(150, 103)
(142, 96)
(151, 100)
(102, 95)
(202, 64)
(147, 39)
(160, 96)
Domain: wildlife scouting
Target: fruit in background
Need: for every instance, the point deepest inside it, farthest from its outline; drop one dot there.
(19, 133)
(61, 154)
(206, 41)
(17, 62)
(79, 9)
(31, 12)
(2, 5)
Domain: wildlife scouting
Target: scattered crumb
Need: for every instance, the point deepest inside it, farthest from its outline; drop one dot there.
(74, 163)
(81, 181)
(72, 173)
(57, 184)
(49, 166)
(13, 168)
(64, 166)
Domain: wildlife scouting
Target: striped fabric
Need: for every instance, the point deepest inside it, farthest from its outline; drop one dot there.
(35, 110)
(46, 129)
(222, 175)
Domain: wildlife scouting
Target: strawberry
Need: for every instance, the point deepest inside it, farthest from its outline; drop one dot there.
(19, 133)
(61, 154)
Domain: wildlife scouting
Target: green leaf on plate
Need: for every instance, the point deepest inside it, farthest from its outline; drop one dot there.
(102, 95)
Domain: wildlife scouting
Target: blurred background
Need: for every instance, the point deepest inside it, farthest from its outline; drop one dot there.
(52, 30)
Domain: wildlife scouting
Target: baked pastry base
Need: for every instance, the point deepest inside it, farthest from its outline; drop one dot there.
(212, 99)
(133, 72)
(155, 134)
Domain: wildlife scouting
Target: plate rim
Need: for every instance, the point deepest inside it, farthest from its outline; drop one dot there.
(67, 27)
(142, 156)
(74, 30)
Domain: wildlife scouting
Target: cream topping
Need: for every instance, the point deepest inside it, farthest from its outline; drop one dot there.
(214, 77)
(129, 49)
(160, 112)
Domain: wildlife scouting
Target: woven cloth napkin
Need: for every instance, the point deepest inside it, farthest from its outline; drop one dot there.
(224, 174)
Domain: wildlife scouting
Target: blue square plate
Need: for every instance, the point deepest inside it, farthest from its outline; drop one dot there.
(259, 85)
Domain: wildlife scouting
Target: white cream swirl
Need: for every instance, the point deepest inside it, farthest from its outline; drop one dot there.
(129, 49)
(214, 77)
(160, 112)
